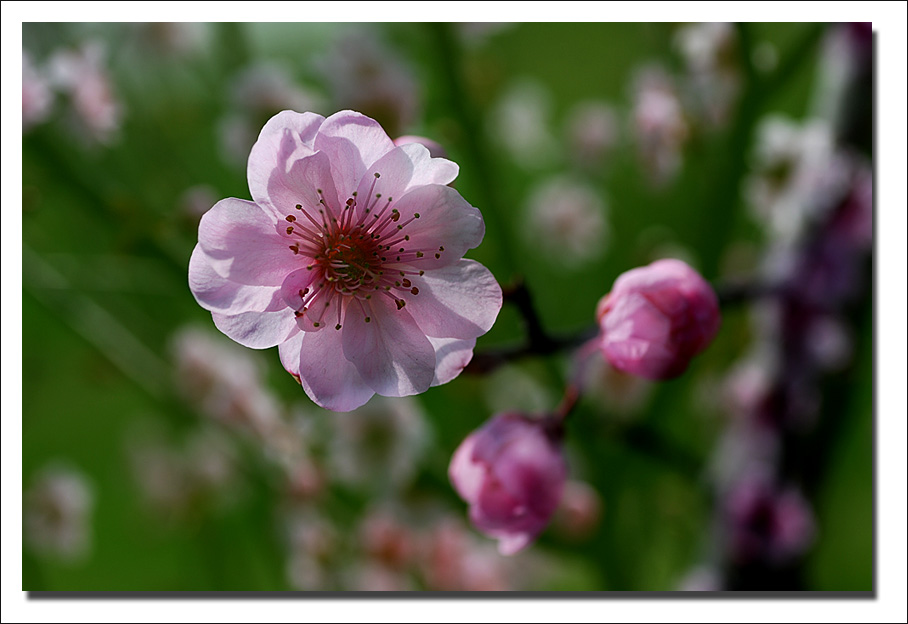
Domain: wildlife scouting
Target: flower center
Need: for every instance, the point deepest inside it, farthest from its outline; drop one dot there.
(354, 254)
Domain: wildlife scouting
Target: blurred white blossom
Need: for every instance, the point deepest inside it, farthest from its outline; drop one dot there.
(520, 122)
(566, 222)
(660, 125)
(37, 95)
(82, 74)
(57, 510)
(593, 132)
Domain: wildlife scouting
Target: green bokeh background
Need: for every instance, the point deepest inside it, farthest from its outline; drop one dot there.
(105, 255)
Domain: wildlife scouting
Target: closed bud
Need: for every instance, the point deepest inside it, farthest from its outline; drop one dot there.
(656, 318)
(511, 471)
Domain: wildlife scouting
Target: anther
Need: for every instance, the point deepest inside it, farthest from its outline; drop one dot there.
(377, 174)
(400, 304)
(299, 206)
(338, 326)
(290, 230)
(290, 218)
(316, 324)
(368, 319)
(414, 291)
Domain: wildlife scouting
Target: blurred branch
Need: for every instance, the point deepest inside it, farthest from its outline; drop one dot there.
(538, 342)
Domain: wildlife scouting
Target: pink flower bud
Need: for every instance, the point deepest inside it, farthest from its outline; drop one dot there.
(656, 319)
(511, 471)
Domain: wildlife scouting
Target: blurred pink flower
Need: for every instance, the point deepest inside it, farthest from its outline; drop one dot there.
(579, 513)
(512, 472)
(350, 259)
(766, 522)
(656, 318)
(83, 75)
(37, 96)
(365, 74)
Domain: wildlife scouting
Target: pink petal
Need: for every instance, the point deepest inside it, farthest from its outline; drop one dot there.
(461, 300)
(391, 352)
(289, 352)
(299, 185)
(435, 149)
(257, 330)
(353, 142)
(466, 475)
(327, 377)
(512, 543)
(217, 294)
(533, 471)
(286, 137)
(241, 244)
(445, 221)
(451, 357)
(400, 170)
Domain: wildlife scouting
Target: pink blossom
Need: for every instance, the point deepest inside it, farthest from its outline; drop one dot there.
(349, 259)
(656, 318)
(83, 75)
(511, 471)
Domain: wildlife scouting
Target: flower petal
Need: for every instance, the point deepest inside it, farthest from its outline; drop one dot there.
(512, 543)
(400, 170)
(461, 300)
(329, 379)
(391, 353)
(451, 356)
(353, 142)
(218, 294)
(257, 330)
(299, 185)
(447, 225)
(466, 475)
(241, 244)
(286, 137)
(289, 352)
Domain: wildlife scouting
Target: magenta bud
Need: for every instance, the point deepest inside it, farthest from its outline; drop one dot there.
(656, 318)
(511, 471)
